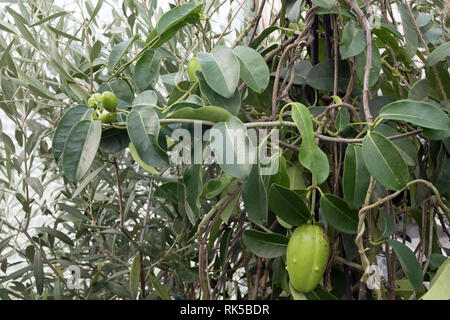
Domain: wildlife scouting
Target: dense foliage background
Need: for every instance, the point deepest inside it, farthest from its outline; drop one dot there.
(358, 90)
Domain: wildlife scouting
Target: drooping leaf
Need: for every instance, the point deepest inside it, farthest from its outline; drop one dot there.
(356, 178)
(338, 214)
(410, 264)
(360, 64)
(139, 161)
(192, 178)
(288, 205)
(147, 69)
(80, 148)
(135, 275)
(265, 245)
(420, 113)
(178, 16)
(159, 288)
(384, 162)
(255, 197)
(409, 30)
(321, 76)
(143, 129)
(38, 271)
(438, 54)
(118, 51)
(253, 68)
(353, 40)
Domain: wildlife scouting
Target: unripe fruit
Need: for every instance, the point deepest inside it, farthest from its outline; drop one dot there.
(107, 117)
(193, 66)
(94, 100)
(109, 101)
(307, 257)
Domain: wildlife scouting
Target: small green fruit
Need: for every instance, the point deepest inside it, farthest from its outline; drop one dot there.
(107, 117)
(109, 101)
(307, 257)
(94, 100)
(193, 66)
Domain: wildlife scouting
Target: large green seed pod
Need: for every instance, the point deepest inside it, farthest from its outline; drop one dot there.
(307, 257)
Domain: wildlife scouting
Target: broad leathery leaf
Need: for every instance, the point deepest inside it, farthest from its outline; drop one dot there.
(296, 177)
(282, 177)
(440, 284)
(438, 54)
(220, 69)
(255, 197)
(360, 64)
(80, 149)
(338, 214)
(146, 98)
(67, 121)
(342, 119)
(147, 69)
(118, 51)
(215, 186)
(410, 264)
(409, 29)
(179, 15)
(135, 275)
(321, 76)
(324, 3)
(232, 104)
(288, 205)
(356, 178)
(420, 90)
(139, 161)
(143, 129)
(233, 149)
(310, 155)
(387, 222)
(384, 162)
(162, 292)
(253, 69)
(38, 268)
(208, 113)
(265, 245)
(192, 178)
(229, 209)
(353, 40)
(420, 113)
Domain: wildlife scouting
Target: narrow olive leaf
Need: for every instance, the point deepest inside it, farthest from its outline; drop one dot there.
(288, 205)
(233, 150)
(50, 17)
(265, 245)
(67, 121)
(57, 234)
(440, 284)
(338, 214)
(417, 112)
(253, 69)
(36, 185)
(143, 130)
(438, 54)
(208, 113)
(356, 178)
(220, 69)
(255, 197)
(159, 288)
(38, 271)
(232, 104)
(310, 155)
(384, 162)
(192, 178)
(80, 149)
(86, 181)
(147, 69)
(135, 275)
(118, 51)
(410, 264)
(353, 40)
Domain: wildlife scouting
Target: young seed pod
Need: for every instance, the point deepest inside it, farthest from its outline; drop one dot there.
(109, 101)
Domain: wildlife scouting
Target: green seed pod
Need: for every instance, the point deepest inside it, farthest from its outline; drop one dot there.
(107, 117)
(193, 66)
(307, 257)
(94, 100)
(109, 101)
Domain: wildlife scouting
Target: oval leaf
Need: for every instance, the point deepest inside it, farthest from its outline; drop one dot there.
(288, 205)
(353, 40)
(253, 68)
(438, 54)
(356, 178)
(338, 214)
(265, 245)
(255, 197)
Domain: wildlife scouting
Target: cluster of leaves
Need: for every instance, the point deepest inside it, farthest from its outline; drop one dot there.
(364, 151)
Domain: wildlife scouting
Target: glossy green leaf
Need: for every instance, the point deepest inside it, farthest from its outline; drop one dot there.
(80, 148)
(232, 104)
(384, 162)
(38, 271)
(215, 186)
(356, 178)
(147, 69)
(159, 288)
(253, 68)
(118, 51)
(342, 119)
(208, 113)
(410, 264)
(310, 155)
(139, 161)
(143, 130)
(255, 197)
(404, 146)
(409, 29)
(220, 69)
(282, 177)
(265, 245)
(192, 178)
(288, 205)
(417, 112)
(135, 275)
(321, 76)
(353, 40)
(440, 284)
(438, 54)
(338, 214)
(387, 223)
(233, 150)
(360, 64)
(420, 90)
(178, 16)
